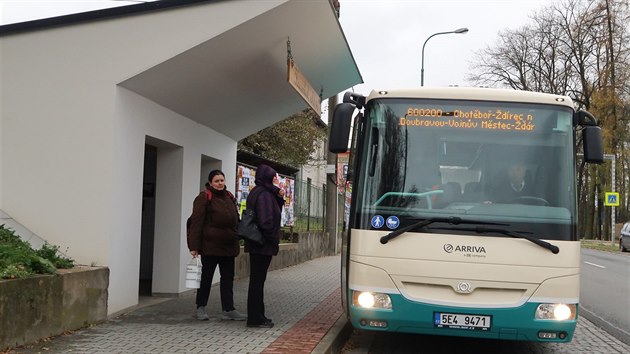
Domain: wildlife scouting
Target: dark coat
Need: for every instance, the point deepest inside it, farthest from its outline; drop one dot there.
(213, 225)
(268, 208)
(504, 193)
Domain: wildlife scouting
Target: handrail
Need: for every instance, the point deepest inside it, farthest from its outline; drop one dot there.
(427, 195)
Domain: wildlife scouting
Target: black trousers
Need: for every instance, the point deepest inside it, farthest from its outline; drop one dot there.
(258, 266)
(226, 284)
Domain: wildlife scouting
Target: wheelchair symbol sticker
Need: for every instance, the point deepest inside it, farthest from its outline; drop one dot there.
(393, 222)
(377, 221)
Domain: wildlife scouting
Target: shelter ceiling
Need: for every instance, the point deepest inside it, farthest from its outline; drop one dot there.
(236, 82)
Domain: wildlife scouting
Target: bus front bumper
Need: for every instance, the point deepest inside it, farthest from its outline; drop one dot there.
(515, 323)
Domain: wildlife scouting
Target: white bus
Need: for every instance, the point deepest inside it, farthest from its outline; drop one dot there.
(438, 239)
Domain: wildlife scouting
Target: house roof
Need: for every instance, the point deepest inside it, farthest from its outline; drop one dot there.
(253, 160)
(87, 16)
(235, 82)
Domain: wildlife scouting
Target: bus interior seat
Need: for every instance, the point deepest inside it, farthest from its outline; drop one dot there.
(452, 193)
(528, 177)
(455, 188)
(471, 187)
(542, 187)
(472, 192)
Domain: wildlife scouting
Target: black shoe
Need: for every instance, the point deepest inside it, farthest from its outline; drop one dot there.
(264, 324)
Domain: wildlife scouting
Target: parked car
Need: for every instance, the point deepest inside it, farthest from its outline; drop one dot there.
(624, 238)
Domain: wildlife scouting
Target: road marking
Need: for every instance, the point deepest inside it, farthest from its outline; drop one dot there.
(594, 265)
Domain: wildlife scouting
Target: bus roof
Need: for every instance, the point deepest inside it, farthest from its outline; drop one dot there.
(474, 93)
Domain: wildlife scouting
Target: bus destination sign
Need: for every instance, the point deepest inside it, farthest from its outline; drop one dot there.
(491, 119)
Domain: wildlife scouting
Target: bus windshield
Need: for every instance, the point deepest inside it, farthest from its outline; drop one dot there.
(511, 163)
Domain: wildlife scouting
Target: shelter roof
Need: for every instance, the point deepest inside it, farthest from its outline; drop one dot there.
(235, 82)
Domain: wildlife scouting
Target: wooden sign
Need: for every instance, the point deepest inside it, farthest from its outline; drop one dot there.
(303, 87)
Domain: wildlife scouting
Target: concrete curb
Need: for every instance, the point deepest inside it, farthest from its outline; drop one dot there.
(335, 338)
(600, 322)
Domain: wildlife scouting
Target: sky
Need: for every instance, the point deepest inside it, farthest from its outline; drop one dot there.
(12, 11)
(385, 36)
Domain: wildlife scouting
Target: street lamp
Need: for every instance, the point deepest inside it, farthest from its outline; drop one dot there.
(458, 31)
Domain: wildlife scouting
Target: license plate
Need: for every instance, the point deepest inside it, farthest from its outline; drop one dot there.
(462, 321)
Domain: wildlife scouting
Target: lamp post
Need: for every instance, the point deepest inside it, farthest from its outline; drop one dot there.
(457, 31)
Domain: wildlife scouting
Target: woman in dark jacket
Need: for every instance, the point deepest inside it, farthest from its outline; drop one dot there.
(212, 235)
(267, 200)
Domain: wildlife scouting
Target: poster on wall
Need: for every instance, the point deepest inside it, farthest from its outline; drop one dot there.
(245, 177)
(344, 186)
(288, 184)
(342, 171)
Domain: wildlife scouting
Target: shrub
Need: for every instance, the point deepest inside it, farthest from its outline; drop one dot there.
(19, 260)
(51, 253)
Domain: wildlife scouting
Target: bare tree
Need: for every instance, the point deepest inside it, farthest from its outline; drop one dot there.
(577, 48)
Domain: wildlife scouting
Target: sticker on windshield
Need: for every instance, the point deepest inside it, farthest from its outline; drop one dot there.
(377, 221)
(393, 222)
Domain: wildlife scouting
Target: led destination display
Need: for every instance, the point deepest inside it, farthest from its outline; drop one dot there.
(490, 119)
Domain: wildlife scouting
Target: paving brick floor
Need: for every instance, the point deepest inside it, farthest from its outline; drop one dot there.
(302, 300)
(304, 336)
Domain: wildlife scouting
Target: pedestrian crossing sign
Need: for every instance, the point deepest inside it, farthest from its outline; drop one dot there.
(612, 199)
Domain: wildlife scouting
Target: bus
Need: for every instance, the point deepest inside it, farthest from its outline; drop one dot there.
(435, 244)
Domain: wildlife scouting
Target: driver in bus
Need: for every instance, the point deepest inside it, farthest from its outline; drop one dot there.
(514, 185)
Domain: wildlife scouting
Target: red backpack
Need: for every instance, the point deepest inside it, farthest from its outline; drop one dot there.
(209, 198)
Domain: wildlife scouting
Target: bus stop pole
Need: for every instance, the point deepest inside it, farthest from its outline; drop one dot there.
(612, 211)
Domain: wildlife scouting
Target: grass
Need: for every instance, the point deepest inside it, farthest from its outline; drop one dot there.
(300, 224)
(600, 245)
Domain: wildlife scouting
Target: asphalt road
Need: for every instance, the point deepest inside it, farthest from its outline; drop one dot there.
(605, 291)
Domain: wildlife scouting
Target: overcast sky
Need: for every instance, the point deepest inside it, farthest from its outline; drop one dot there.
(385, 36)
(12, 11)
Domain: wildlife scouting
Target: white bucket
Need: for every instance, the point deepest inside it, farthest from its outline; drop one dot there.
(193, 274)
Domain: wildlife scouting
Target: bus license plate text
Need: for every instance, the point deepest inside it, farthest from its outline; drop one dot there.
(462, 321)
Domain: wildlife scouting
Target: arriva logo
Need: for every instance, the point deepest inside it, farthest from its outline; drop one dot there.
(448, 248)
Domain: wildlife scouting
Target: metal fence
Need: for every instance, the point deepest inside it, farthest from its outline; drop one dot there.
(309, 207)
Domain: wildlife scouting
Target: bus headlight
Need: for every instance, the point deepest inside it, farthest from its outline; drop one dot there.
(558, 312)
(370, 300)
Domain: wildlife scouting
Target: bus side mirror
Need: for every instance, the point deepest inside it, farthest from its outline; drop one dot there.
(584, 118)
(340, 128)
(592, 144)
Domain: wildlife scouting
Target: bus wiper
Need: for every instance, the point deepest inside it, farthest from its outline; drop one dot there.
(453, 220)
(515, 234)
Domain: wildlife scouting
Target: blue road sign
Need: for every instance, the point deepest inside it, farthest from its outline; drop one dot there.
(612, 199)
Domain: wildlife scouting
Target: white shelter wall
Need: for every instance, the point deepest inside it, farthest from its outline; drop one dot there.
(56, 142)
(72, 141)
(182, 146)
